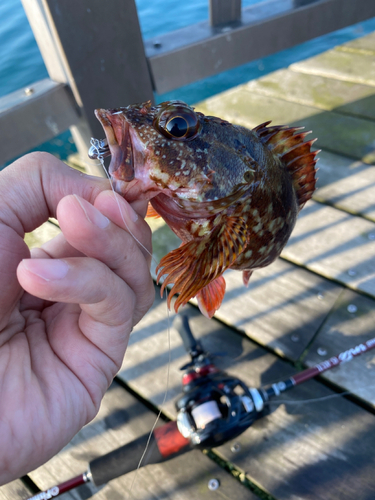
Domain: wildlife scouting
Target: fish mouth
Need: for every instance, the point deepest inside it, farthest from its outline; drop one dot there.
(117, 144)
(99, 149)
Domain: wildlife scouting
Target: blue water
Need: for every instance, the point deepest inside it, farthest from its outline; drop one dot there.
(21, 63)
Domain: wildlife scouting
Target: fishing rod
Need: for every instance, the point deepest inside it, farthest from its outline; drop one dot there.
(214, 408)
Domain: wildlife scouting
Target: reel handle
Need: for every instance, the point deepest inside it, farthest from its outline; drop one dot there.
(192, 346)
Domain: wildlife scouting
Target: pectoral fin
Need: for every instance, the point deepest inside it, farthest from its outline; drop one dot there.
(194, 265)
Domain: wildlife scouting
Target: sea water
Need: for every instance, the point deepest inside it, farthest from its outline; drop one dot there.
(21, 63)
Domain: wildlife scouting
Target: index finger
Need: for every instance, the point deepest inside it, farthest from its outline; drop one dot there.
(30, 190)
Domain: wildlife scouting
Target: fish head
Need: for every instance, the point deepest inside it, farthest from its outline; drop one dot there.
(199, 162)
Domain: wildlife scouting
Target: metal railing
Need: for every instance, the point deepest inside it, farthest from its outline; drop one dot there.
(95, 57)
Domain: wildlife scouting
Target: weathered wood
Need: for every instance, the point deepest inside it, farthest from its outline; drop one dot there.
(16, 490)
(342, 134)
(336, 245)
(341, 64)
(193, 53)
(58, 71)
(110, 68)
(317, 91)
(224, 11)
(94, 71)
(365, 43)
(298, 451)
(347, 184)
(34, 115)
(350, 324)
(283, 307)
(121, 419)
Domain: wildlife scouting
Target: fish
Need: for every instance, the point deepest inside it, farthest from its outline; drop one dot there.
(231, 194)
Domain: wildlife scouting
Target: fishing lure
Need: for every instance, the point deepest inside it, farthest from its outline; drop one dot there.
(232, 195)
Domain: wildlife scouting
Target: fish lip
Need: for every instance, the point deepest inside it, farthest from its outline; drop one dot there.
(118, 144)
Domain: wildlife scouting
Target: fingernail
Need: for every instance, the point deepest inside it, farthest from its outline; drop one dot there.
(48, 269)
(93, 215)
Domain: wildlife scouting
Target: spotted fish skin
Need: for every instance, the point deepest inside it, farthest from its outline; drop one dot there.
(231, 194)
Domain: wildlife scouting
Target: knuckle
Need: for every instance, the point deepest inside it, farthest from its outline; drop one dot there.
(150, 295)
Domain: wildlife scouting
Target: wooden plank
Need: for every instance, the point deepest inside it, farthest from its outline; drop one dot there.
(283, 307)
(365, 43)
(336, 245)
(341, 64)
(350, 324)
(300, 451)
(14, 491)
(224, 11)
(43, 233)
(342, 134)
(121, 419)
(317, 91)
(347, 184)
(34, 115)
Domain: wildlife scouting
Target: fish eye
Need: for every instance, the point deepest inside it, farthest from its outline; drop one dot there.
(177, 126)
(177, 121)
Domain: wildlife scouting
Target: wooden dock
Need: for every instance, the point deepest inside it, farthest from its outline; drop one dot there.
(317, 300)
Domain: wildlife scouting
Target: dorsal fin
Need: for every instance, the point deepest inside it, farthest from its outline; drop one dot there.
(197, 263)
(288, 144)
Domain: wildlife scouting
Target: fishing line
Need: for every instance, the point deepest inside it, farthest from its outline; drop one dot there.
(306, 401)
(94, 143)
(316, 400)
(162, 404)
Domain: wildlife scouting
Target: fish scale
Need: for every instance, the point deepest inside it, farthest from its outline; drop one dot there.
(231, 194)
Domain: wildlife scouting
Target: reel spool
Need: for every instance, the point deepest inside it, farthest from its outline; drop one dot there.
(216, 408)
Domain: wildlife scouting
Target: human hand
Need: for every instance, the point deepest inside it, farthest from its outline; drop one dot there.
(66, 320)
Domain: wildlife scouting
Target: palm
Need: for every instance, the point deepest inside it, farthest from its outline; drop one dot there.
(48, 399)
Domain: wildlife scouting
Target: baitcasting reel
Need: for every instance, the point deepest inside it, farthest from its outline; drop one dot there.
(214, 407)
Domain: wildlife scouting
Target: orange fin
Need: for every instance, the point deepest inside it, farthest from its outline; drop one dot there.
(151, 212)
(288, 143)
(197, 263)
(211, 296)
(246, 275)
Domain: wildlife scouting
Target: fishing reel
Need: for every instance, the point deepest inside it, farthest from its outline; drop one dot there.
(214, 407)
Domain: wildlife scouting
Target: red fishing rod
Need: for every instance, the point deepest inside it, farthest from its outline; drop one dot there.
(214, 408)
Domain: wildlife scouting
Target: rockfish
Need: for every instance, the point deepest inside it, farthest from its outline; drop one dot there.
(232, 195)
